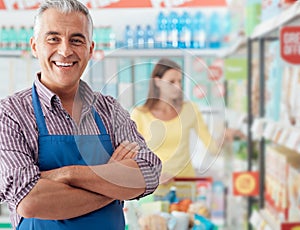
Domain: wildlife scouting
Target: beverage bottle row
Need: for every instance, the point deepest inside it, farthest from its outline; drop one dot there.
(181, 31)
(12, 38)
(139, 37)
(104, 38)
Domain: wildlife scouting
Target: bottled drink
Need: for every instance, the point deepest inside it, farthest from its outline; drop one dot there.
(161, 31)
(172, 196)
(139, 37)
(4, 38)
(22, 38)
(128, 37)
(12, 38)
(29, 35)
(172, 30)
(214, 30)
(199, 32)
(111, 38)
(226, 27)
(149, 37)
(185, 30)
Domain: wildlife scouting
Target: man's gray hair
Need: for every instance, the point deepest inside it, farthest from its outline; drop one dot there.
(63, 6)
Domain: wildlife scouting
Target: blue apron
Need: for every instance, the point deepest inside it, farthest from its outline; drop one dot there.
(56, 151)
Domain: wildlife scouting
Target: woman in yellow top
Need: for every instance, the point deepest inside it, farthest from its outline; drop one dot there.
(165, 121)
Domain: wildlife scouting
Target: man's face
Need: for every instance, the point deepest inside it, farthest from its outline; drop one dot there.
(63, 48)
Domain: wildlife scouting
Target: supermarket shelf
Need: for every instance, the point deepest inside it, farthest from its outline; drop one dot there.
(5, 223)
(263, 220)
(239, 47)
(14, 53)
(285, 135)
(267, 28)
(117, 53)
(162, 52)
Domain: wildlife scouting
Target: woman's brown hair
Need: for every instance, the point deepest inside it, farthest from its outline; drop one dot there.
(161, 67)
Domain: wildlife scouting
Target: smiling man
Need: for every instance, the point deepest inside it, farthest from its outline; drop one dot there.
(69, 156)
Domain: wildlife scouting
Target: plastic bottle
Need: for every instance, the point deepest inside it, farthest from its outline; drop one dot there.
(172, 197)
(226, 27)
(4, 38)
(172, 30)
(30, 34)
(214, 30)
(185, 30)
(128, 37)
(111, 38)
(199, 32)
(22, 38)
(149, 37)
(161, 31)
(13, 38)
(96, 37)
(1, 39)
(139, 37)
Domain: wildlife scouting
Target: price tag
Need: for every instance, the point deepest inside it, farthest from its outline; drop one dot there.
(293, 140)
(277, 134)
(269, 130)
(255, 218)
(284, 137)
(257, 129)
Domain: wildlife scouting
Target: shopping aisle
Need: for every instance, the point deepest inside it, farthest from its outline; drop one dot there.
(240, 60)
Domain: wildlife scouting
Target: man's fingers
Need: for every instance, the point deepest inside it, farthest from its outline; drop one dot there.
(125, 150)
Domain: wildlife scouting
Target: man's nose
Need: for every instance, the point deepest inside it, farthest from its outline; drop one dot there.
(65, 49)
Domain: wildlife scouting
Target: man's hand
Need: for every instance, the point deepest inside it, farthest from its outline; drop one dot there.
(126, 150)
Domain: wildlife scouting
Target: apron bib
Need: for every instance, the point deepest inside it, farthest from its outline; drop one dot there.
(56, 151)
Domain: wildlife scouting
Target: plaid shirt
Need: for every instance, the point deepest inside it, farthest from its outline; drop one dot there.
(19, 170)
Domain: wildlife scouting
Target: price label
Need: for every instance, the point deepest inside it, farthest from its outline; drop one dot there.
(269, 130)
(293, 139)
(284, 137)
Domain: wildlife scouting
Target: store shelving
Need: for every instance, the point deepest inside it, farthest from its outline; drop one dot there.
(263, 129)
(269, 28)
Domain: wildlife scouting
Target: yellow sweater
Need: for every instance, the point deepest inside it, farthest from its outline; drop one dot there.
(170, 139)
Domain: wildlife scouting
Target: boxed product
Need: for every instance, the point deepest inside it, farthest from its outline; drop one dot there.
(294, 193)
(278, 161)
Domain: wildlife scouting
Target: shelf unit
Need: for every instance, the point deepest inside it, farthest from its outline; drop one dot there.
(264, 129)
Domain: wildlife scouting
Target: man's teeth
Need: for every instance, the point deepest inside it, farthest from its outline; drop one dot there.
(62, 64)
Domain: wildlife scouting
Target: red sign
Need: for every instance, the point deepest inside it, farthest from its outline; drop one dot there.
(245, 183)
(290, 226)
(200, 91)
(2, 6)
(32, 4)
(290, 44)
(215, 72)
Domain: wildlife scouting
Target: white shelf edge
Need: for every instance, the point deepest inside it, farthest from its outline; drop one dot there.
(268, 26)
(162, 52)
(240, 43)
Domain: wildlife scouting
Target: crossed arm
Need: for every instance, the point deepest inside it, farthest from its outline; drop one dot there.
(73, 191)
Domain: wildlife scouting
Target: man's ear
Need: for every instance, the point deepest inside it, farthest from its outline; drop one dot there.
(33, 47)
(92, 48)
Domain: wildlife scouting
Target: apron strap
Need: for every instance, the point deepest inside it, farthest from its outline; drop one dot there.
(42, 128)
(99, 121)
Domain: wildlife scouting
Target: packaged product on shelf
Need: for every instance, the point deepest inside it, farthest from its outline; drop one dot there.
(290, 109)
(274, 80)
(294, 193)
(278, 161)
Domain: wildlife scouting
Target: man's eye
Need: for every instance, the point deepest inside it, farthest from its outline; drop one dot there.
(52, 39)
(76, 41)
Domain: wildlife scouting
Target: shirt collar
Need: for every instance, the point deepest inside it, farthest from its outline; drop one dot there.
(47, 97)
